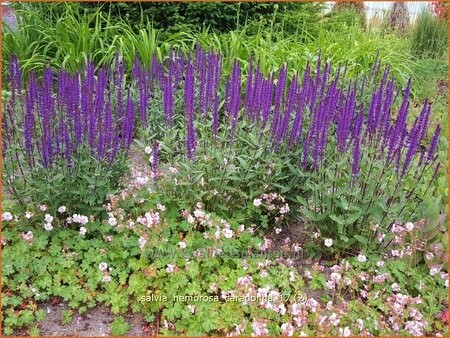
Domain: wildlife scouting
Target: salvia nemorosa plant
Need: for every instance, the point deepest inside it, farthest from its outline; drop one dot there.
(347, 150)
(65, 130)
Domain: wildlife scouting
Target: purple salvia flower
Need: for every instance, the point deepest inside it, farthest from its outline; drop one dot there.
(357, 144)
(189, 110)
(434, 143)
(281, 83)
(290, 105)
(268, 95)
(168, 101)
(235, 100)
(400, 123)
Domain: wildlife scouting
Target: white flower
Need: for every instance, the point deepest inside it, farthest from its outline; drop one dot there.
(173, 170)
(28, 214)
(161, 207)
(308, 274)
(103, 266)
(446, 283)
(284, 209)
(28, 236)
(142, 241)
(409, 226)
(142, 180)
(287, 329)
(170, 268)
(148, 150)
(7, 216)
(112, 221)
(380, 264)
(328, 242)
(360, 323)
(434, 270)
(361, 258)
(80, 219)
(429, 256)
(257, 202)
(48, 226)
(191, 219)
(62, 209)
(182, 245)
(199, 213)
(106, 279)
(241, 227)
(83, 231)
(48, 218)
(191, 308)
(335, 277)
(228, 233)
(42, 207)
(395, 253)
(395, 287)
(345, 332)
(291, 276)
(264, 274)
(277, 230)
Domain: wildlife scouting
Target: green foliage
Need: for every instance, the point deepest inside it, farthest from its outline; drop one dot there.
(83, 187)
(430, 36)
(226, 176)
(66, 317)
(119, 326)
(186, 289)
(65, 39)
(173, 17)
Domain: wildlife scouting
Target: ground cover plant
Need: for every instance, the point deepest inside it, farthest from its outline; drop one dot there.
(222, 183)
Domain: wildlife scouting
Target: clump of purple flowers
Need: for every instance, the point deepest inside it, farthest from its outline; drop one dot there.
(315, 117)
(65, 113)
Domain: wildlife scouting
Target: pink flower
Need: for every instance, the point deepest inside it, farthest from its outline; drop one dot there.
(228, 233)
(345, 332)
(284, 209)
(257, 202)
(259, 328)
(361, 258)
(395, 287)
(435, 270)
(334, 320)
(287, 329)
(409, 226)
(335, 277)
(48, 218)
(7, 216)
